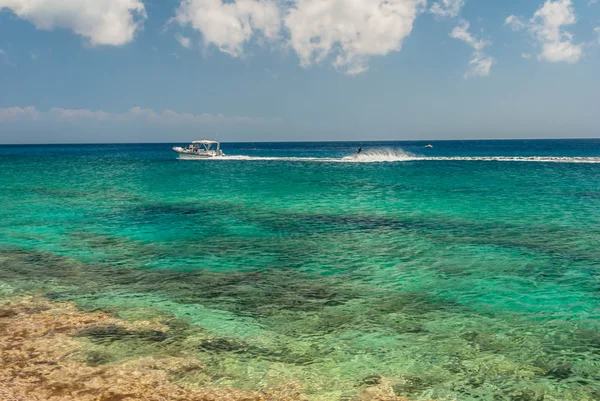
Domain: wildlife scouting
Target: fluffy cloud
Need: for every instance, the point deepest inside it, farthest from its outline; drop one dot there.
(134, 114)
(102, 22)
(229, 26)
(447, 8)
(351, 30)
(546, 26)
(480, 64)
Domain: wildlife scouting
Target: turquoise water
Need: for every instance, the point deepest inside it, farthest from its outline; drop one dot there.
(469, 271)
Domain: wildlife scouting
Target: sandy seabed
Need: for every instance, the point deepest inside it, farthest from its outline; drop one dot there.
(41, 345)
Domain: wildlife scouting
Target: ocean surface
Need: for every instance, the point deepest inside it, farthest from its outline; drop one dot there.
(469, 271)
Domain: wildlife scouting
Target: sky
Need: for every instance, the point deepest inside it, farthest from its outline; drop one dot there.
(106, 71)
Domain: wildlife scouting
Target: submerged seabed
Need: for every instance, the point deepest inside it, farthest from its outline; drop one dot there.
(469, 279)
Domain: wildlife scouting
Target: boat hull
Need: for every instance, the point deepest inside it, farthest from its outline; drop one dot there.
(187, 155)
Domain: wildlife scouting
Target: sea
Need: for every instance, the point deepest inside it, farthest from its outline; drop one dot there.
(465, 271)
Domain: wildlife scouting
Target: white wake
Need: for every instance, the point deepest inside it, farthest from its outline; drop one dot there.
(382, 155)
(389, 155)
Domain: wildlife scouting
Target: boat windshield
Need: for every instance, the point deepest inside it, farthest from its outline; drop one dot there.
(203, 146)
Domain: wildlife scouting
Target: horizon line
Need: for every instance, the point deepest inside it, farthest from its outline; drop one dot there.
(307, 141)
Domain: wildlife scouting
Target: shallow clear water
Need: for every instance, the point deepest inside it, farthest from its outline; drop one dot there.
(467, 271)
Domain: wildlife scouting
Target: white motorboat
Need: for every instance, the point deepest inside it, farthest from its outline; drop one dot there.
(203, 149)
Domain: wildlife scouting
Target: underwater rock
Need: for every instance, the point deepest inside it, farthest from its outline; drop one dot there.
(484, 342)
(283, 355)
(469, 335)
(560, 372)
(525, 395)
(4, 313)
(104, 334)
(36, 363)
(383, 391)
(47, 371)
(56, 296)
(415, 304)
(223, 345)
(96, 358)
(409, 385)
(475, 381)
(410, 328)
(371, 380)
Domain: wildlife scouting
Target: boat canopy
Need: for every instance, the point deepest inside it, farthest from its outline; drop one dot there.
(206, 142)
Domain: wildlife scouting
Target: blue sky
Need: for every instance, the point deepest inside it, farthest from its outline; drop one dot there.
(275, 70)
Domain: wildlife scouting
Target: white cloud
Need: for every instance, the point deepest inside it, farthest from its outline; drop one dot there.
(184, 41)
(546, 26)
(102, 22)
(592, 2)
(13, 113)
(447, 8)
(461, 32)
(78, 114)
(351, 30)
(480, 64)
(516, 23)
(229, 26)
(57, 114)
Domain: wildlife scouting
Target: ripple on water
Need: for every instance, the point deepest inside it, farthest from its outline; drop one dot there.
(448, 280)
(446, 349)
